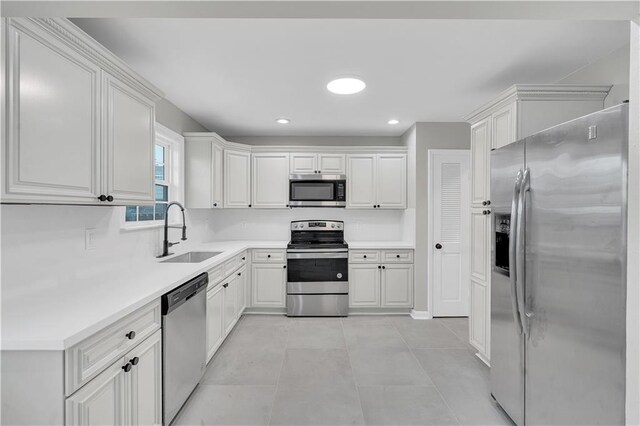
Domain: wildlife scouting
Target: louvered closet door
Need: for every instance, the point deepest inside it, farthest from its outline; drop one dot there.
(449, 172)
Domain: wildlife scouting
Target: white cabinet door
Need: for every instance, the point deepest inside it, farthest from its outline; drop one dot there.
(503, 126)
(146, 381)
(397, 286)
(364, 285)
(215, 326)
(230, 299)
(270, 180)
(480, 249)
(241, 291)
(128, 138)
(53, 135)
(101, 401)
(478, 324)
(268, 285)
(480, 149)
(237, 178)
(217, 188)
(391, 181)
(332, 163)
(361, 181)
(303, 163)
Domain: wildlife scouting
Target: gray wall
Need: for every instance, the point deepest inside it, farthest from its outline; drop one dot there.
(174, 118)
(318, 140)
(428, 136)
(612, 69)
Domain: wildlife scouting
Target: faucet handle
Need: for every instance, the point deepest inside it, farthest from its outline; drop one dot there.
(170, 244)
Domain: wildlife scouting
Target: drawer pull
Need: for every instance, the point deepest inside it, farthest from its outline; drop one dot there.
(268, 255)
(135, 360)
(365, 256)
(398, 256)
(225, 285)
(239, 273)
(383, 267)
(126, 367)
(379, 267)
(244, 258)
(284, 267)
(131, 335)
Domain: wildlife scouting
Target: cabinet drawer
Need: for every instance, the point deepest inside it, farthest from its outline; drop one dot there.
(215, 276)
(91, 356)
(234, 263)
(397, 256)
(364, 256)
(269, 255)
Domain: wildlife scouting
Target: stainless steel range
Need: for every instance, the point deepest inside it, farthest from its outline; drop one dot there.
(318, 269)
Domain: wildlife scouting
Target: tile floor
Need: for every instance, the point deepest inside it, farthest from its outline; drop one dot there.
(377, 370)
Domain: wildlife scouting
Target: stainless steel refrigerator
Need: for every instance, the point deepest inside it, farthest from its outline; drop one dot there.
(558, 281)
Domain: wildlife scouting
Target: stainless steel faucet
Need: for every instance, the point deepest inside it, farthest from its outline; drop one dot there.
(166, 244)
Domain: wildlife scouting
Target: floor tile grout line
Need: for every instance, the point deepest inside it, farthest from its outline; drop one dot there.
(275, 394)
(430, 379)
(355, 380)
(453, 332)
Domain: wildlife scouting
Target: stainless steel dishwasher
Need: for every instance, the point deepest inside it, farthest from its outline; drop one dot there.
(184, 336)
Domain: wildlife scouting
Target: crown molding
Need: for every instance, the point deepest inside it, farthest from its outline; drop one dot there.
(540, 92)
(75, 38)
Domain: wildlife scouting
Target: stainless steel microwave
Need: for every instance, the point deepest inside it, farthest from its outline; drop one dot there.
(317, 190)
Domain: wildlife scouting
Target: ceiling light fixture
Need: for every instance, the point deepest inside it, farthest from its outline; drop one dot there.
(393, 121)
(346, 86)
(283, 121)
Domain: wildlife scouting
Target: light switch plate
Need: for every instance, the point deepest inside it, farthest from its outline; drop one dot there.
(90, 239)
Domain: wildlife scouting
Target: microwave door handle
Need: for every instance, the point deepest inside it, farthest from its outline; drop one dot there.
(513, 268)
(520, 251)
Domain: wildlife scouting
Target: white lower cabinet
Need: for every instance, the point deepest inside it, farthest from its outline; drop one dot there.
(230, 299)
(373, 284)
(364, 285)
(129, 392)
(241, 289)
(215, 323)
(268, 285)
(478, 324)
(397, 286)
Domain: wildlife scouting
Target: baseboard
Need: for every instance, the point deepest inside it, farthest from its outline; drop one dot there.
(483, 358)
(420, 315)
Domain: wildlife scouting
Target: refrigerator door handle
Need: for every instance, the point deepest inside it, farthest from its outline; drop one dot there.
(520, 251)
(513, 268)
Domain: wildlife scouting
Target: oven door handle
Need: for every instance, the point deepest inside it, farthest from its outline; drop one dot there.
(318, 255)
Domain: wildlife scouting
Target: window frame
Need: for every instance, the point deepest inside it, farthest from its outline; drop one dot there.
(173, 143)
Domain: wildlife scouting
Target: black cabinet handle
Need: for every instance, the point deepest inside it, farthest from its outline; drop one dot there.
(374, 206)
(225, 285)
(488, 202)
(284, 267)
(378, 205)
(398, 256)
(131, 335)
(384, 267)
(135, 360)
(109, 198)
(438, 246)
(249, 205)
(126, 367)
(379, 266)
(239, 273)
(486, 212)
(215, 204)
(484, 203)
(102, 197)
(269, 256)
(365, 256)
(244, 258)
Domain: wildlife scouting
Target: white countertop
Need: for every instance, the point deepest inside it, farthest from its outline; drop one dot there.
(69, 312)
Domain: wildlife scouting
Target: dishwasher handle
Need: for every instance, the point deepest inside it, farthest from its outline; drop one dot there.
(177, 297)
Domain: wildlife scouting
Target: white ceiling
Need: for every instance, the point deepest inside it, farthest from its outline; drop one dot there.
(237, 76)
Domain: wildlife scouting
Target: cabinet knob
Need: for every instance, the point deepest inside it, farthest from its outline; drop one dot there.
(379, 267)
(378, 205)
(135, 360)
(131, 335)
(438, 246)
(284, 267)
(365, 256)
(109, 198)
(268, 256)
(239, 273)
(488, 202)
(102, 197)
(126, 367)
(374, 206)
(215, 204)
(484, 203)
(225, 285)
(398, 256)
(384, 267)
(244, 258)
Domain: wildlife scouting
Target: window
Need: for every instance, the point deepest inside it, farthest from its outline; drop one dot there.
(167, 161)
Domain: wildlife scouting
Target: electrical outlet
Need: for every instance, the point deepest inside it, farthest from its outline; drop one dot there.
(90, 239)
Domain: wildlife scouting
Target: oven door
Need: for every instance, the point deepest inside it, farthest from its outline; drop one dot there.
(318, 273)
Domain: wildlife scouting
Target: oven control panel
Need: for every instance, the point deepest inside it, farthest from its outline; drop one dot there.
(317, 225)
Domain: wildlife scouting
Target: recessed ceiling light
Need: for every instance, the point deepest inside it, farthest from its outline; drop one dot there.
(393, 121)
(346, 86)
(283, 121)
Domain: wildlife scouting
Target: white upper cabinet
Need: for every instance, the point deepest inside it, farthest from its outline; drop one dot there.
(203, 170)
(237, 178)
(307, 162)
(53, 144)
(128, 132)
(480, 147)
(503, 126)
(303, 163)
(80, 124)
(391, 181)
(331, 164)
(270, 180)
(377, 181)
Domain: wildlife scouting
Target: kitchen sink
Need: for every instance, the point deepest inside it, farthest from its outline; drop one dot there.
(192, 257)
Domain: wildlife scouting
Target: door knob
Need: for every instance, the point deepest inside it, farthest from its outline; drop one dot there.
(438, 246)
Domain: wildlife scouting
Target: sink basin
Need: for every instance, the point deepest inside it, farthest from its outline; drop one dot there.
(192, 257)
